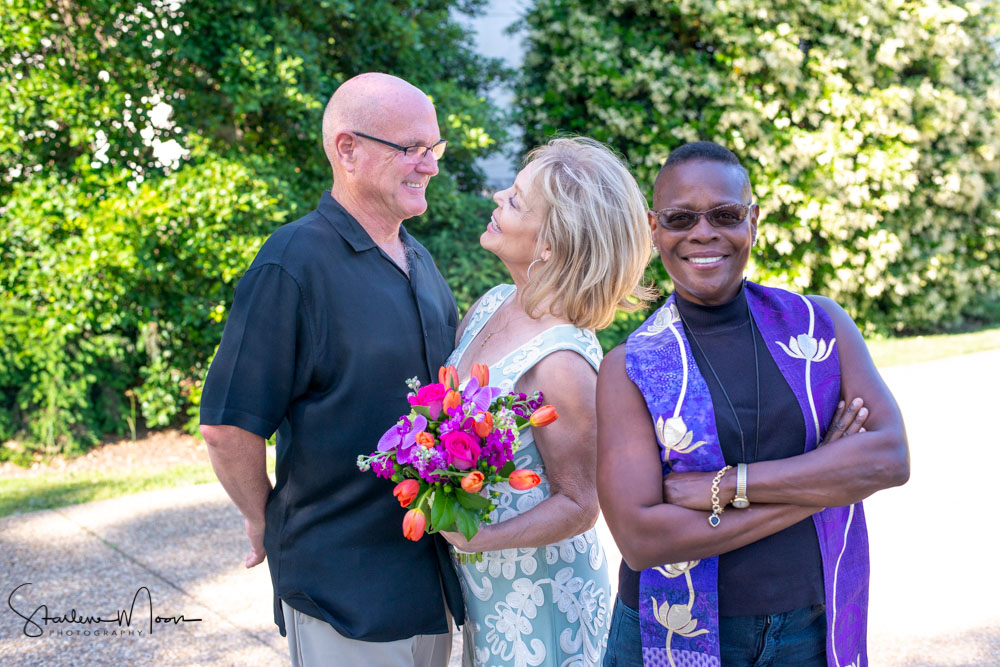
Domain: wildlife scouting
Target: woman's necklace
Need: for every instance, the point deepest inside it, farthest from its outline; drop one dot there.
(497, 330)
(756, 366)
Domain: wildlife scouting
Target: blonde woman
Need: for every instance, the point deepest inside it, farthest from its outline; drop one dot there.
(572, 233)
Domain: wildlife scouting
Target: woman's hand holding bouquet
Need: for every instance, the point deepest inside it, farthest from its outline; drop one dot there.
(451, 447)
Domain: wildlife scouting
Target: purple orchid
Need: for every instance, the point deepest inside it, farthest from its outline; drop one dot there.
(402, 435)
(481, 397)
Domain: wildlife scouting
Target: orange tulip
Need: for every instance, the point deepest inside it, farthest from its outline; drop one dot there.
(451, 400)
(448, 376)
(424, 439)
(522, 480)
(473, 482)
(484, 427)
(406, 491)
(413, 524)
(482, 373)
(543, 416)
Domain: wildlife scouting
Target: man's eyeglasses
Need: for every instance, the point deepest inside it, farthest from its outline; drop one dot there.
(726, 215)
(413, 154)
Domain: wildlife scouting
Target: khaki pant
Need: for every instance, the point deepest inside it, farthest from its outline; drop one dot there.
(313, 643)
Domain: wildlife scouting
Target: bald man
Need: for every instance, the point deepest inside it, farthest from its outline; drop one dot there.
(337, 310)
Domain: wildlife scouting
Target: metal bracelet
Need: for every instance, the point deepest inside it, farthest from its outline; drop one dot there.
(715, 519)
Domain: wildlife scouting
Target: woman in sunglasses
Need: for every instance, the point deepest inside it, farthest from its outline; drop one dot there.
(739, 428)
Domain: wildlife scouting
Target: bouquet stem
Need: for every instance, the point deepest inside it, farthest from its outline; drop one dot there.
(465, 557)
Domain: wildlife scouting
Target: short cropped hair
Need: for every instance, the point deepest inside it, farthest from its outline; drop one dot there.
(595, 224)
(701, 150)
(704, 150)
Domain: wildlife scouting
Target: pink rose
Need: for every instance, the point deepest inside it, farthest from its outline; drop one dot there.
(432, 396)
(463, 449)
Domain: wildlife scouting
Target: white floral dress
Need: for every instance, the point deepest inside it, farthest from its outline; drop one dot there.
(535, 605)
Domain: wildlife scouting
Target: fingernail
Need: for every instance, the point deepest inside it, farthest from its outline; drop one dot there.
(856, 402)
(862, 412)
(840, 406)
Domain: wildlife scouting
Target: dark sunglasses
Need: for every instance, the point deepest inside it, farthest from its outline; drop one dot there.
(412, 154)
(726, 215)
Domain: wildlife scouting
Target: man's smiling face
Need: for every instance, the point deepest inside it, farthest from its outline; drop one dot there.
(394, 185)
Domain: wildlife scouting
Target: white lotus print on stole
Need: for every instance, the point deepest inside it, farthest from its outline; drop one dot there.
(674, 435)
(806, 347)
(672, 570)
(664, 318)
(677, 618)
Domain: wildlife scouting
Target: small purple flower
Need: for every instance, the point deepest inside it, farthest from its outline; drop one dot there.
(453, 423)
(494, 449)
(384, 468)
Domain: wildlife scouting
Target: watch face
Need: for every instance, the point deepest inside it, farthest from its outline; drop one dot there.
(741, 503)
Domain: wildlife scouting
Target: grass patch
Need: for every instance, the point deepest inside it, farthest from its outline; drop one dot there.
(51, 490)
(914, 349)
(46, 491)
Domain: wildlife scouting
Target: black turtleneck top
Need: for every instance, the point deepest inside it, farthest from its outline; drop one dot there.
(783, 571)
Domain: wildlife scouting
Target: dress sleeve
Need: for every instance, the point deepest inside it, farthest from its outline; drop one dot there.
(263, 362)
(563, 337)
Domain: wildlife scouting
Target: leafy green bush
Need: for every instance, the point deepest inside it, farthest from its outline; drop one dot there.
(147, 150)
(121, 297)
(871, 131)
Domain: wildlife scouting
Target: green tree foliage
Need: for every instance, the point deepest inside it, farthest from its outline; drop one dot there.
(146, 151)
(871, 130)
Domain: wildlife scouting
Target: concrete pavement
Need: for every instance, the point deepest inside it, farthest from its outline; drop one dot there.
(184, 545)
(935, 593)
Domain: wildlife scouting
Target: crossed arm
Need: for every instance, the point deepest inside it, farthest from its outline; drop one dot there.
(656, 521)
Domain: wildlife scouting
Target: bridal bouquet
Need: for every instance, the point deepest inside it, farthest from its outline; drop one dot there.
(451, 446)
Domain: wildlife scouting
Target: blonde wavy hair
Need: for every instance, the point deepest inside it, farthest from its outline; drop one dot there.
(595, 223)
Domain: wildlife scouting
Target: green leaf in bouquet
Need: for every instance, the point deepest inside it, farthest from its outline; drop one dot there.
(421, 410)
(471, 501)
(443, 511)
(468, 522)
(507, 469)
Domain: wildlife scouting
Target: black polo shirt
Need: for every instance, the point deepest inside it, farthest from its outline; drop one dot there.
(323, 333)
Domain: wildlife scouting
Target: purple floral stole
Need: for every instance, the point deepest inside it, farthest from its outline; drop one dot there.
(678, 603)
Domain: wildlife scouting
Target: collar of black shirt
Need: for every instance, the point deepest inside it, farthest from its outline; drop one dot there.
(352, 231)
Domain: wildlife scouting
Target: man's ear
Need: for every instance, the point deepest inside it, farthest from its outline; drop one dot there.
(345, 151)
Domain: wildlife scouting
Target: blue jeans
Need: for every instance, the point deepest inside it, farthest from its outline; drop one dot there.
(792, 639)
(624, 639)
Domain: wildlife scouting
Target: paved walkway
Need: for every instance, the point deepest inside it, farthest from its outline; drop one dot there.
(935, 595)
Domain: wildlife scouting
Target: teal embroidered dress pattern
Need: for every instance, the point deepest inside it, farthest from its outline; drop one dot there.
(535, 605)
